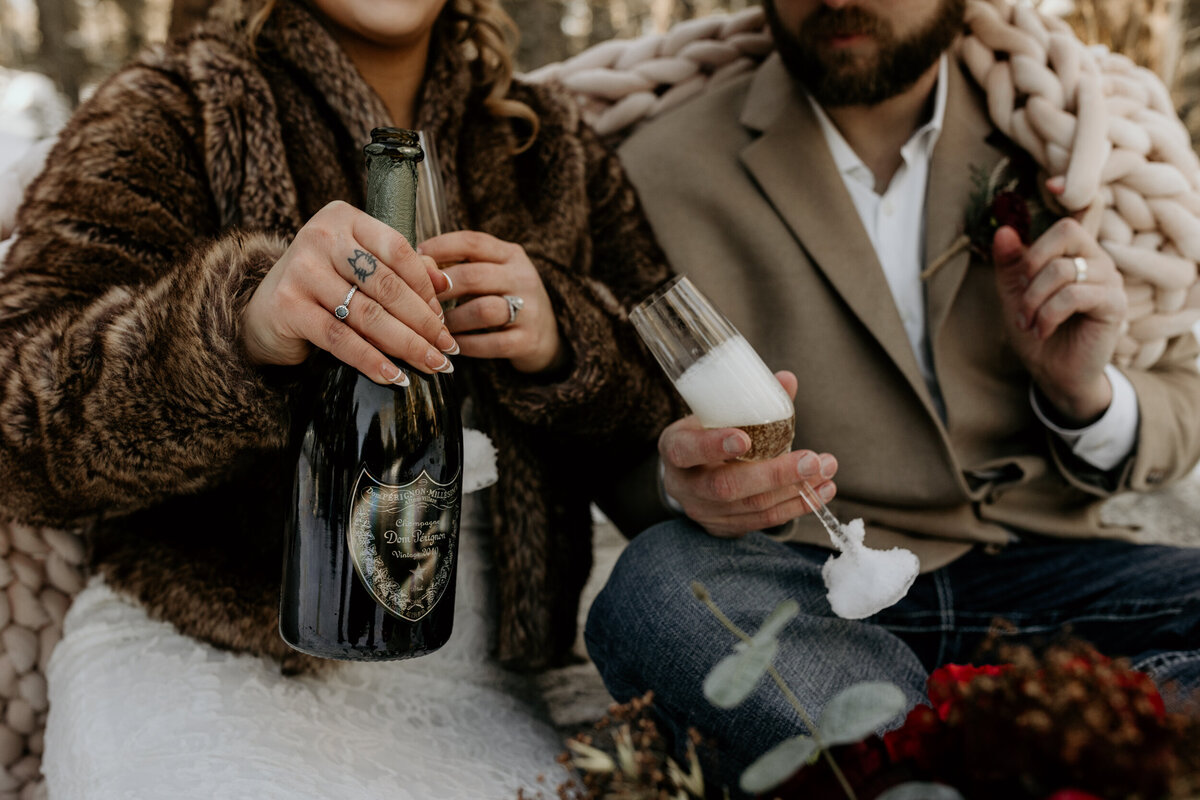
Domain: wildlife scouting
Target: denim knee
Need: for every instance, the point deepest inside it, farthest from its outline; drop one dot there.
(644, 582)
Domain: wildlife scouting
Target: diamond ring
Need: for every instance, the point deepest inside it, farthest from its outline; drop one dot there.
(343, 311)
(515, 304)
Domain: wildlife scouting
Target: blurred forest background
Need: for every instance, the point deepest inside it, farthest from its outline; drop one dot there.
(77, 42)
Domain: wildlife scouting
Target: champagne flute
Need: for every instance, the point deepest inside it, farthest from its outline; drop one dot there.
(721, 377)
(727, 385)
(432, 214)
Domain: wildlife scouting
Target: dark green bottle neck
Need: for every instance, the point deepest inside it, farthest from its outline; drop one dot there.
(392, 158)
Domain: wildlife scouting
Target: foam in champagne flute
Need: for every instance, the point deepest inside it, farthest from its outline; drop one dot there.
(730, 387)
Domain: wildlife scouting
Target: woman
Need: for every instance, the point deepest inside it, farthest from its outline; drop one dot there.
(181, 256)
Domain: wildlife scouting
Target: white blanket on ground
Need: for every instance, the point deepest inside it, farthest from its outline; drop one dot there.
(139, 711)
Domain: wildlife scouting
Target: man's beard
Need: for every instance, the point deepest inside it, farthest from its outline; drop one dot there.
(837, 78)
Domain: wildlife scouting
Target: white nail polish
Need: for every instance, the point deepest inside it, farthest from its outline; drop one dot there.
(399, 379)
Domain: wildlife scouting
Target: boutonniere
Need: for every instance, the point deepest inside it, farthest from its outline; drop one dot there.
(1003, 196)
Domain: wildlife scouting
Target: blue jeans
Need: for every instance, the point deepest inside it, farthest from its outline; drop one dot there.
(647, 631)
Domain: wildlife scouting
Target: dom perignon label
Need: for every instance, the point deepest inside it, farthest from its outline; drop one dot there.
(402, 541)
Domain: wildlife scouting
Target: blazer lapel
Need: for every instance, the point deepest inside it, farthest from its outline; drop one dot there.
(962, 149)
(792, 166)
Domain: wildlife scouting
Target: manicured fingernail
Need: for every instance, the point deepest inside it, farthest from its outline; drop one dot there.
(438, 362)
(400, 378)
(734, 445)
(828, 466)
(436, 305)
(446, 343)
(827, 492)
(449, 283)
(808, 465)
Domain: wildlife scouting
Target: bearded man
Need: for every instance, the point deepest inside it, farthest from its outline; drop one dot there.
(966, 401)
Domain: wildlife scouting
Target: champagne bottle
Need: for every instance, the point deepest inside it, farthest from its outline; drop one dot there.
(371, 547)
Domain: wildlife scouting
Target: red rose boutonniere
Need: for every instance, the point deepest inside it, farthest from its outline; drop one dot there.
(1001, 198)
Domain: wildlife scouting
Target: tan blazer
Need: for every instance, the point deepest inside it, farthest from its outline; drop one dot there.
(744, 197)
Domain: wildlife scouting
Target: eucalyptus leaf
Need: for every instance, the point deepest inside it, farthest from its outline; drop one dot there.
(734, 677)
(858, 711)
(783, 613)
(777, 764)
(914, 790)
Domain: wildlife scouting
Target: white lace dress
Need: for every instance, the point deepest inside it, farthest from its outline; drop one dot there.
(139, 711)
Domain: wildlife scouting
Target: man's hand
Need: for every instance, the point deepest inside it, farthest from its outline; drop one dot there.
(1063, 318)
(731, 498)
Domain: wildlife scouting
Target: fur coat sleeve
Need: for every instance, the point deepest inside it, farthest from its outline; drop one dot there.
(119, 309)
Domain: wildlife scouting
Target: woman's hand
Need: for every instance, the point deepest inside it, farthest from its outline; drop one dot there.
(394, 309)
(486, 272)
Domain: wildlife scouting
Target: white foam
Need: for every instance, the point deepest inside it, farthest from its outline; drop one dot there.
(730, 386)
(863, 581)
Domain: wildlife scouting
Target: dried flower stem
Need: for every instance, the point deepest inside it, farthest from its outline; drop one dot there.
(703, 596)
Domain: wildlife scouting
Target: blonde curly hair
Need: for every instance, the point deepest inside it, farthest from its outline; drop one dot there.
(487, 36)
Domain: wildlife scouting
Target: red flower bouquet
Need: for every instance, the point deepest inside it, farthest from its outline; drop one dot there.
(1070, 725)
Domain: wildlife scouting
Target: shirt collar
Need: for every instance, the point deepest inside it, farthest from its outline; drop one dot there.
(919, 145)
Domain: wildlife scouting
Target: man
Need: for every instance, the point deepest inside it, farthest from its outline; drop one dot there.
(969, 399)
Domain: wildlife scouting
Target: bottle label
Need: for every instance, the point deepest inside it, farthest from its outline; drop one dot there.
(402, 541)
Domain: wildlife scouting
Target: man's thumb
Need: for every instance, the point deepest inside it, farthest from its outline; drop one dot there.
(1007, 248)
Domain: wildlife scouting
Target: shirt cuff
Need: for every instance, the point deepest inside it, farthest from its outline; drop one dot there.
(1109, 440)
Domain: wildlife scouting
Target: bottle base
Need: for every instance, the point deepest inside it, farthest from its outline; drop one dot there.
(322, 650)
(364, 655)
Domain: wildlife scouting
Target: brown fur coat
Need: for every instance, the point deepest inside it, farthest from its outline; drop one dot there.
(128, 406)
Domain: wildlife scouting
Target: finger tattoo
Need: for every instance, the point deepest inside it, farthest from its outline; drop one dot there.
(363, 264)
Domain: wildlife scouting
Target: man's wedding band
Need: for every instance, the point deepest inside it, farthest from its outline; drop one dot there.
(515, 304)
(1081, 268)
(343, 311)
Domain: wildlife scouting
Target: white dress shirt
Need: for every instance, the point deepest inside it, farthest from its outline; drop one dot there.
(895, 223)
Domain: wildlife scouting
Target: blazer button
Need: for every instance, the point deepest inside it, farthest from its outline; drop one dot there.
(1155, 476)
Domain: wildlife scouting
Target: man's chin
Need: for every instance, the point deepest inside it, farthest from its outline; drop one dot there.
(843, 90)
(851, 43)
(851, 63)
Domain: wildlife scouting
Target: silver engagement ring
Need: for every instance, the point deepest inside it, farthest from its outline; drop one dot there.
(343, 311)
(515, 304)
